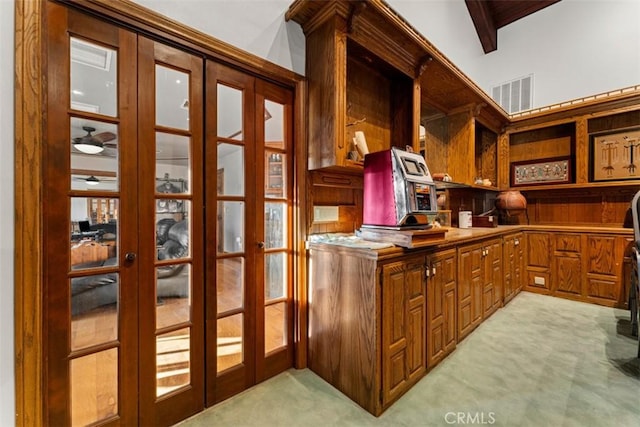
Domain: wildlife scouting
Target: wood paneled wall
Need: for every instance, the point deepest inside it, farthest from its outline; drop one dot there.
(598, 206)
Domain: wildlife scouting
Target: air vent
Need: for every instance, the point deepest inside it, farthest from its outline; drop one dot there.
(516, 95)
(90, 54)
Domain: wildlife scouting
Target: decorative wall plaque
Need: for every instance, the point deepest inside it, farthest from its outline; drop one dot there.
(555, 170)
(615, 155)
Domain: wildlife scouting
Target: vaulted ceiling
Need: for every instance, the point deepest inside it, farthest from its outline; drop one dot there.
(489, 15)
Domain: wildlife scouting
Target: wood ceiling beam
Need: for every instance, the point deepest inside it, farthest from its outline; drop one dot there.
(483, 21)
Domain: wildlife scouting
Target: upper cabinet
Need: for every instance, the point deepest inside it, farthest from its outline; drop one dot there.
(369, 71)
(589, 142)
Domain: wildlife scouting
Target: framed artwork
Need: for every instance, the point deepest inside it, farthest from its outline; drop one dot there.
(556, 170)
(615, 155)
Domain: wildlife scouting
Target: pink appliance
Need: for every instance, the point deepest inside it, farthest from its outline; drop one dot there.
(398, 189)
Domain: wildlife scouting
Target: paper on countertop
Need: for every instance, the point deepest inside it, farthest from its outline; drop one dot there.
(349, 240)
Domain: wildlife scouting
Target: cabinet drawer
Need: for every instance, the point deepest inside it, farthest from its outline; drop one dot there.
(567, 242)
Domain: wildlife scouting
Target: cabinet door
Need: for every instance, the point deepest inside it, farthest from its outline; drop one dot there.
(604, 265)
(567, 265)
(517, 273)
(538, 262)
(512, 266)
(494, 274)
(403, 326)
(469, 289)
(441, 311)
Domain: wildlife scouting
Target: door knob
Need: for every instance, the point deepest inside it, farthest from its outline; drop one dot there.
(261, 245)
(130, 256)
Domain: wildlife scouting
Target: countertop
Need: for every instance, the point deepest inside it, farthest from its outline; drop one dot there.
(453, 237)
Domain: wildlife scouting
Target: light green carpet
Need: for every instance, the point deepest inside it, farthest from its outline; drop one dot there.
(539, 361)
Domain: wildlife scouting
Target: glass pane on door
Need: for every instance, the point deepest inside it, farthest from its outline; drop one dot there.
(173, 360)
(93, 77)
(274, 130)
(173, 161)
(275, 327)
(93, 233)
(173, 295)
(275, 225)
(94, 310)
(230, 177)
(230, 284)
(275, 174)
(230, 227)
(94, 155)
(275, 276)
(94, 387)
(172, 98)
(172, 228)
(230, 342)
(230, 113)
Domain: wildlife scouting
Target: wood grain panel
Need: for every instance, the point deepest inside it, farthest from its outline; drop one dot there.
(567, 242)
(486, 154)
(602, 254)
(368, 106)
(568, 275)
(343, 348)
(30, 74)
(538, 250)
(436, 144)
(461, 153)
(596, 206)
(326, 94)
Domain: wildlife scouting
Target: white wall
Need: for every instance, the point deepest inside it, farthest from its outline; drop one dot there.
(257, 26)
(7, 402)
(574, 48)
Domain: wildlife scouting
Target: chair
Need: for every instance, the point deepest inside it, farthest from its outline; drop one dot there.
(634, 291)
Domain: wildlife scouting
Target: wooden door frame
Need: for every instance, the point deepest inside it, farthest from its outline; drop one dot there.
(30, 116)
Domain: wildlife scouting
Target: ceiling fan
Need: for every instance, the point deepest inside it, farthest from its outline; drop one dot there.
(93, 144)
(92, 179)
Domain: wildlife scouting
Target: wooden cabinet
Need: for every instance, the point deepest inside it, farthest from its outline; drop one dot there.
(538, 261)
(469, 289)
(513, 265)
(605, 268)
(356, 82)
(492, 283)
(566, 275)
(479, 283)
(583, 266)
(441, 305)
(367, 323)
(403, 326)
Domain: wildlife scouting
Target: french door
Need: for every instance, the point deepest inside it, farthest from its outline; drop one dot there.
(124, 288)
(249, 235)
(168, 270)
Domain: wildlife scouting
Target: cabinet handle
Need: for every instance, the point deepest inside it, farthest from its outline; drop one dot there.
(426, 272)
(433, 270)
(517, 242)
(130, 256)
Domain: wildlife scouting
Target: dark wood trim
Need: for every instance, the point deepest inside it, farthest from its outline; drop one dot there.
(300, 334)
(483, 22)
(29, 95)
